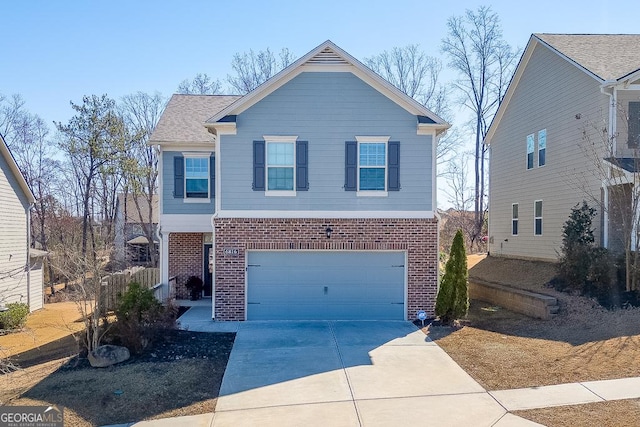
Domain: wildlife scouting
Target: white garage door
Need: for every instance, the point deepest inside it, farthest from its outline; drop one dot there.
(325, 285)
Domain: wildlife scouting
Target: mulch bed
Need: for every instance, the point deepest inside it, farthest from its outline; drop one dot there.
(179, 375)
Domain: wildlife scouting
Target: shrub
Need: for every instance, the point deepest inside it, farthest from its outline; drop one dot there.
(452, 301)
(577, 247)
(15, 317)
(141, 319)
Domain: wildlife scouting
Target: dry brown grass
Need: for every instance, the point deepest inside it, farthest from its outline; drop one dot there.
(620, 413)
(504, 350)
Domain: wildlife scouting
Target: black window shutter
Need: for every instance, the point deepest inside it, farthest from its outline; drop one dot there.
(178, 177)
(351, 165)
(302, 165)
(634, 124)
(258, 166)
(212, 176)
(393, 166)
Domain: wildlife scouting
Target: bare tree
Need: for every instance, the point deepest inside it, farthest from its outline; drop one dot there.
(201, 84)
(485, 62)
(254, 68)
(614, 167)
(12, 111)
(460, 196)
(141, 112)
(418, 76)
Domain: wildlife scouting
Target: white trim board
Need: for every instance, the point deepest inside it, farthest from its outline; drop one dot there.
(325, 214)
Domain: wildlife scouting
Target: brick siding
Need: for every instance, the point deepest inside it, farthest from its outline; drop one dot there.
(185, 260)
(418, 237)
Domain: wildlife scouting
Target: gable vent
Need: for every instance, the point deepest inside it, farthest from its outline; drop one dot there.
(327, 57)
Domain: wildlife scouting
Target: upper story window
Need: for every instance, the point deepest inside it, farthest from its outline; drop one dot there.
(196, 177)
(537, 218)
(280, 166)
(634, 124)
(372, 166)
(530, 150)
(542, 147)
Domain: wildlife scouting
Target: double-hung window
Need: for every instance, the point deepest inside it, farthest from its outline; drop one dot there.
(280, 165)
(372, 164)
(537, 218)
(196, 177)
(530, 149)
(514, 219)
(542, 147)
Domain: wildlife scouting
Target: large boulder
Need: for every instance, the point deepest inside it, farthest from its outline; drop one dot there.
(107, 355)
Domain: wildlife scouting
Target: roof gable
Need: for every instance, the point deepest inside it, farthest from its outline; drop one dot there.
(590, 53)
(326, 58)
(13, 166)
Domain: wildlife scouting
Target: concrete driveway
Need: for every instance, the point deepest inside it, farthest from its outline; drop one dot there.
(348, 374)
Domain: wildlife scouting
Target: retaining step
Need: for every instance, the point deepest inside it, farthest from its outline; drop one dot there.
(529, 303)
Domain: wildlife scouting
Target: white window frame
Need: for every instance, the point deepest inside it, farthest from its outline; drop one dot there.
(279, 139)
(373, 140)
(515, 219)
(531, 149)
(540, 133)
(535, 218)
(186, 198)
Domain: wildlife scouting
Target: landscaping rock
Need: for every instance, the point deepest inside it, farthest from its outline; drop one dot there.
(107, 355)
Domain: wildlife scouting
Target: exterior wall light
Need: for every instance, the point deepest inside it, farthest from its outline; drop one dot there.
(328, 232)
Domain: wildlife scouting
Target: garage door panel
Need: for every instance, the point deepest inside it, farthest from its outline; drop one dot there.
(325, 285)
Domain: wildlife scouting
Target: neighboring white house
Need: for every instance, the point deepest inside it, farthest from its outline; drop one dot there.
(573, 98)
(20, 280)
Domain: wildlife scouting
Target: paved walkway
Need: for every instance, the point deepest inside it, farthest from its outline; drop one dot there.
(364, 374)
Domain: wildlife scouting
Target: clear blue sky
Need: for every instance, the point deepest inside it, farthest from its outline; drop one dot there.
(57, 51)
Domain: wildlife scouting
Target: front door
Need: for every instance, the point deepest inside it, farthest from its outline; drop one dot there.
(207, 268)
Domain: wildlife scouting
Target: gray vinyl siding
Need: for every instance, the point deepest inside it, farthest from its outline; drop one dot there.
(549, 95)
(172, 205)
(326, 109)
(13, 238)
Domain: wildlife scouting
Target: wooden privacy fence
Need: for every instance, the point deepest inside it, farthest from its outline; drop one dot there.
(116, 284)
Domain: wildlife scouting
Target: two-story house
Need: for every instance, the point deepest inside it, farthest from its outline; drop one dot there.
(20, 266)
(311, 197)
(567, 130)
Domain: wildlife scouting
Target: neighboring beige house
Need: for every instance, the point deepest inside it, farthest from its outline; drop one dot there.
(131, 244)
(574, 101)
(20, 280)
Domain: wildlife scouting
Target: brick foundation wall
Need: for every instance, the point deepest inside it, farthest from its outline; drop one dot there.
(185, 259)
(418, 237)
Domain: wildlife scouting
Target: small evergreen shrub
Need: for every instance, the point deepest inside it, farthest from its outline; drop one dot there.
(577, 247)
(15, 317)
(141, 319)
(452, 301)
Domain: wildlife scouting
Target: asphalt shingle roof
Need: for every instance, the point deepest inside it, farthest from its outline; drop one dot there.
(183, 118)
(609, 56)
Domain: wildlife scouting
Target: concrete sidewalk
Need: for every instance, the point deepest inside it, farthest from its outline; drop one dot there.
(364, 374)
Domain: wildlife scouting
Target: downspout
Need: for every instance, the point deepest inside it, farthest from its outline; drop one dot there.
(213, 266)
(608, 89)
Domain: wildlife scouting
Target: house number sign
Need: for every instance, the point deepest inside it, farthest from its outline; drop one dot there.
(231, 251)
